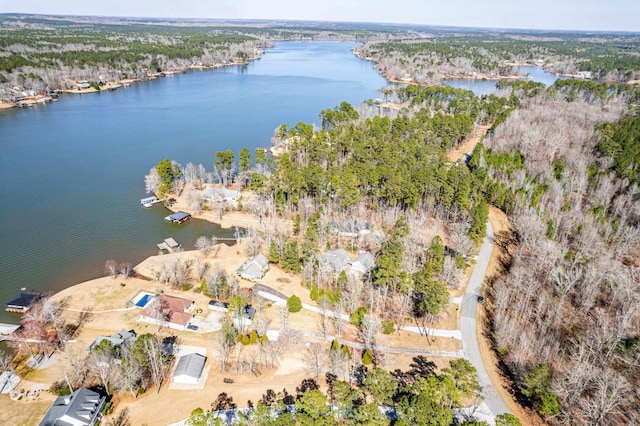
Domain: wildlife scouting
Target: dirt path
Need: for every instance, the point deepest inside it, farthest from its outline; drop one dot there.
(469, 143)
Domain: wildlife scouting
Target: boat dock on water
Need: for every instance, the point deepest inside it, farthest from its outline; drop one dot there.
(22, 302)
(169, 245)
(7, 329)
(178, 217)
(149, 201)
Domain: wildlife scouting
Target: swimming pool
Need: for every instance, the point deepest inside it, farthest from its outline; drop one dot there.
(142, 299)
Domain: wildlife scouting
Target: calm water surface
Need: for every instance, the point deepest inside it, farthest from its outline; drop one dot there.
(485, 87)
(72, 172)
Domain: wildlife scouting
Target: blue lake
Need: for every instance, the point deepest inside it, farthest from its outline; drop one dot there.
(72, 172)
(484, 87)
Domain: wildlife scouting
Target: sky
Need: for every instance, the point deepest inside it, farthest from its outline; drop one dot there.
(595, 15)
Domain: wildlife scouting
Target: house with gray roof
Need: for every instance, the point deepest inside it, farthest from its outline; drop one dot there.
(254, 268)
(361, 264)
(337, 259)
(189, 369)
(116, 339)
(82, 408)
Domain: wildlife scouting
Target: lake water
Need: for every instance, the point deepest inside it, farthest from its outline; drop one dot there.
(72, 172)
(484, 87)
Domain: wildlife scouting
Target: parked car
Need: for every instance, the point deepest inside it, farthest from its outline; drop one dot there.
(192, 327)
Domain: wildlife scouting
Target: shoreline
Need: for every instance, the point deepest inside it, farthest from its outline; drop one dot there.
(125, 82)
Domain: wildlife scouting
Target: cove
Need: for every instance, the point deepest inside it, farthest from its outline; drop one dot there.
(72, 172)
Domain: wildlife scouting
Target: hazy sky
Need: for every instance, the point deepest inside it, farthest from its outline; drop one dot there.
(543, 14)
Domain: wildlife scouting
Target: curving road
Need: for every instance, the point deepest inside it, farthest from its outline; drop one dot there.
(468, 326)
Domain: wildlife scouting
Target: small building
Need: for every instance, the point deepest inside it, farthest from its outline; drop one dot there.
(245, 318)
(178, 217)
(170, 311)
(189, 369)
(216, 305)
(22, 302)
(82, 408)
(170, 245)
(254, 268)
(118, 339)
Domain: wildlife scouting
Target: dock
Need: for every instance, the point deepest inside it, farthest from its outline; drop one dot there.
(149, 201)
(178, 217)
(169, 245)
(22, 302)
(6, 329)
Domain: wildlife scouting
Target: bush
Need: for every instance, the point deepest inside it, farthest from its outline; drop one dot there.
(60, 388)
(367, 357)
(294, 304)
(388, 327)
(357, 315)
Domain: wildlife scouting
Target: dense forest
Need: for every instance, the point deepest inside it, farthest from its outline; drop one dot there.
(431, 59)
(566, 312)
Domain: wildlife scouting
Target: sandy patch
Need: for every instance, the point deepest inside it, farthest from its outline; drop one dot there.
(469, 143)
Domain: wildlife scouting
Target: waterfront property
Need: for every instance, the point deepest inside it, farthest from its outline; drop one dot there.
(254, 268)
(149, 201)
(213, 195)
(170, 245)
(82, 408)
(170, 311)
(22, 302)
(178, 217)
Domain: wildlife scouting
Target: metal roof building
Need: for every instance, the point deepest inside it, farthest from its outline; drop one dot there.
(189, 369)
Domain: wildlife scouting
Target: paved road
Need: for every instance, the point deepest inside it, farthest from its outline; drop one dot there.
(468, 326)
(278, 300)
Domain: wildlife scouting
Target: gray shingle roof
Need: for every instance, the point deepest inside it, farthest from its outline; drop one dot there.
(253, 269)
(82, 407)
(190, 365)
(337, 258)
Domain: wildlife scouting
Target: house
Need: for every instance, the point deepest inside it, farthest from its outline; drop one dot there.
(22, 302)
(118, 339)
(351, 227)
(214, 195)
(170, 311)
(337, 259)
(254, 268)
(361, 264)
(178, 217)
(82, 408)
(189, 369)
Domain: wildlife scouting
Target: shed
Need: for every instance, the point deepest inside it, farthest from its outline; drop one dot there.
(189, 369)
(219, 306)
(254, 268)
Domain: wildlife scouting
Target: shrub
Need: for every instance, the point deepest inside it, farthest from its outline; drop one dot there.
(294, 304)
(388, 327)
(367, 357)
(60, 388)
(357, 315)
